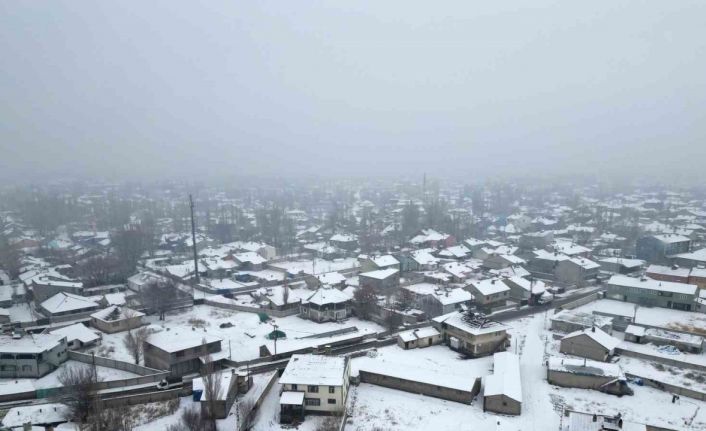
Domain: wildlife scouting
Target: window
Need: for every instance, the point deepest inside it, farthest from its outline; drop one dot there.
(331, 389)
(294, 387)
(26, 368)
(312, 401)
(311, 388)
(332, 401)
(180, 354)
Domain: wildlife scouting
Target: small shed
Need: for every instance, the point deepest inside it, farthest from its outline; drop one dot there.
(591, 343)
(420, 337)
(503, 388)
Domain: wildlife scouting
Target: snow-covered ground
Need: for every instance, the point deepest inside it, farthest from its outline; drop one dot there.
(21, 313)
(317, 266)
(654, 316)
(245, 336)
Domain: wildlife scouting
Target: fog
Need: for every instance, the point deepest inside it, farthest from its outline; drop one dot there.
(465, 89)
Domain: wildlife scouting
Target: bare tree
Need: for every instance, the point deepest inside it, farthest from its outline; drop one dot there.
(134, 342)
(159, 296)
(212, 390)
(246, 415)
(112, 419)
(365, 300)
(79, 391)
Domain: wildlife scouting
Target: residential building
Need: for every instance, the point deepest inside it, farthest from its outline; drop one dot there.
(418, 338)
(672, 273)
(326, 304)
(78, 336)
(33, 355)
(67, 304)
(576, 271)
(619, 265)
(587, 374)
(660, 248)
(592, 343)
(489, 293)
(652, 293)
(435, 300)
(382, 280)
(503, 388)
(525, 291)
(314, 384)
(116, 318)
(471, 333)
(179, 353)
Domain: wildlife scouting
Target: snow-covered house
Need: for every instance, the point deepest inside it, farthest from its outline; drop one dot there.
(418, 338)
(592, 343)
(435, 300)
(326, 304)
(180, 353)
(472, 333)
(524, 290)
(314, 383)
(489, 293)
(503, 389)
(116, 318)
(382, 280)
(32, 355)
(78, 336)
(587, 374)
(64, 304)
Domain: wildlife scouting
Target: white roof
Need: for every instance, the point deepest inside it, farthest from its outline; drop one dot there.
(490, 286)
(380, 274)
(339, 237)
(668, 270)
(29, 343)
(444, 295)
(292, 398)
(481, 325)
(505, 379)
(250, 257)
(416, 334)
(331, 278)
(584, 263)
(627, 263)
(635, 330)
(173, 341)
(671, 238)
(36, 414)
(575, 365)
(77, 331)
(648, 283)
(455, 251)
(424, 257)
(537, 287)
(698, 255)
(597, 335)
(62, 302)
(314, 370)
(125, 312)
(225, 378)
(386, 260)
(327, 295)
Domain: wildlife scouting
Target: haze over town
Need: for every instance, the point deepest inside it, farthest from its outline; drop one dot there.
(358, 216)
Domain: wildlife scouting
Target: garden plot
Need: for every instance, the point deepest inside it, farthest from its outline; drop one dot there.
(246, 335)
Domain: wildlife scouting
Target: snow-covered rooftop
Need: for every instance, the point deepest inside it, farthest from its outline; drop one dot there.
(315, 370)
(505, 379)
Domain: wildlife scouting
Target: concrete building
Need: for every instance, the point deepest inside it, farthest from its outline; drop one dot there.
(116, 318)
(525, 291)
(587, 374)
(489, 293)
(663, 337)
(326, 304)
(383, 280)
(503, 389)
(472, 333)
(31, 356)
(568, 321)
(435, 300)
(590, 343)
(179, 353)
(78, 336)
(660, 248)
(67, 304)
(652, 293)
(576, 271)
(418, 338)
(320, 383)
(619, 265)
(500, 261)
(672, 273)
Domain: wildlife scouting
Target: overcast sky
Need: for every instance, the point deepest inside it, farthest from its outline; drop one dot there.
(286, 88)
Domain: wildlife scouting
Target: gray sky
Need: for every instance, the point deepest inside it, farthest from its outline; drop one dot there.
(284, 88)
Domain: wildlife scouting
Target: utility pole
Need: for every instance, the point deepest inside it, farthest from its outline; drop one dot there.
(276, 335)
(193, 240)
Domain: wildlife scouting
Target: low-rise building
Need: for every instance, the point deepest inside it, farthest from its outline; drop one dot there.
(67, 304)
(590, 343)
(673, 273)
(418, 338)
(326, 304)
(524, 290)
(116, 318)
(382, 280)
(576, 271)
(587, 374)
(32, 355)
(567, 321)
(472, 334)
(503, 389)
(314, 384)
(435, 300)
(78, 336)
(619, 265)
(664, 337)
(660, 248)
(652, 293)
(489, 293)
(179, 353)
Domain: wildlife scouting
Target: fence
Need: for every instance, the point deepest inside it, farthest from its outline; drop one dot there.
(579, 302)
(679, 390)
(247, 309)
(258, 401)
(144, 398)
(661, 359)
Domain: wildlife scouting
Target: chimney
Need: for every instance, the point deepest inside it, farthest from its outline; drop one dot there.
(593, 329)
(595, 418)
